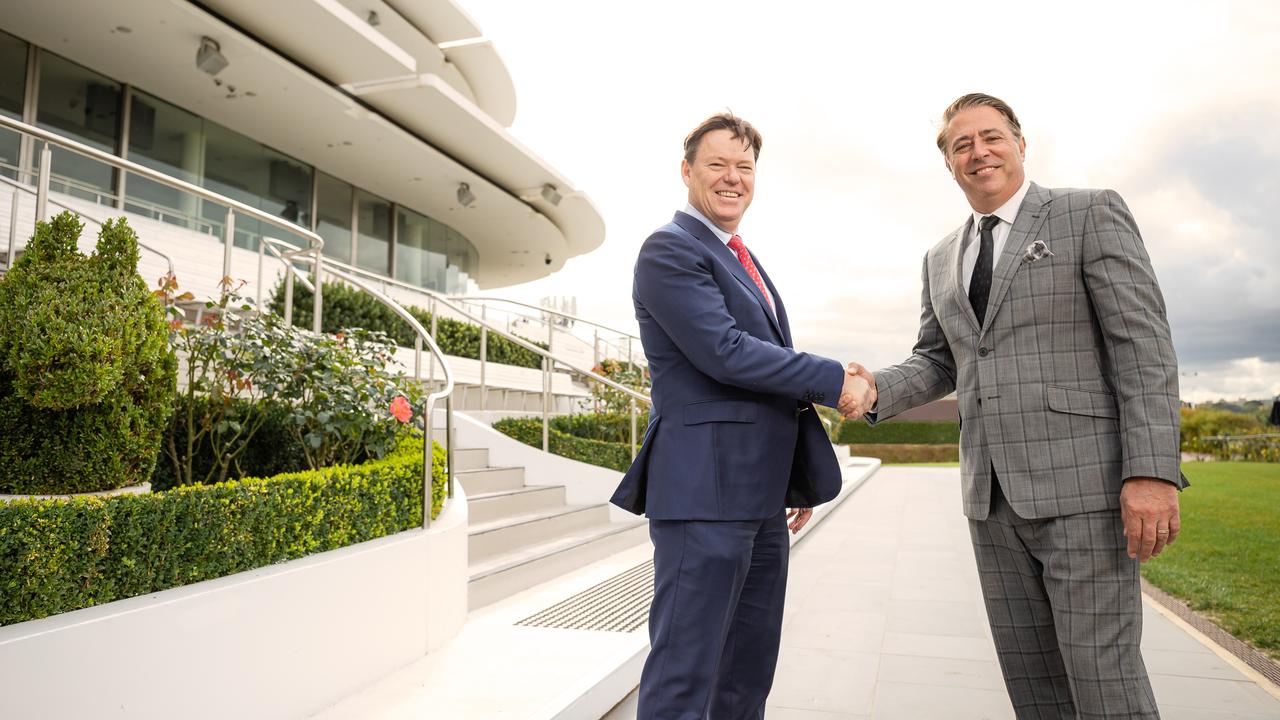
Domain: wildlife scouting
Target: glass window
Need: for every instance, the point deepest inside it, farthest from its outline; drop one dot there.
(258, 176)
(84, 106)
(169, 139)
(431, 254)
(333, 216)
(13, 84)
(418, 249)
(373, 227)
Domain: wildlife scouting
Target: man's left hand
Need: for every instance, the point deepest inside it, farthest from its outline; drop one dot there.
(797, 518)
(1149, 508)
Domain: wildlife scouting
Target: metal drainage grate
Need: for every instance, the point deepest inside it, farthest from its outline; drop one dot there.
(619, 604)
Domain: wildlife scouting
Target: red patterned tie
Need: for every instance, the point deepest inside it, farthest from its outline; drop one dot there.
(744, 257)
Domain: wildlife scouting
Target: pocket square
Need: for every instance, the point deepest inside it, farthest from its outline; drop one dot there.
(1036, 251)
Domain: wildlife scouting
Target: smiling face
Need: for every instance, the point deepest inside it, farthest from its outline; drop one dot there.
(985, 156)
(721, 178)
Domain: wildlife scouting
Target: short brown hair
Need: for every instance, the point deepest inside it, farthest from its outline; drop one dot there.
(973, 100)
(741, 129)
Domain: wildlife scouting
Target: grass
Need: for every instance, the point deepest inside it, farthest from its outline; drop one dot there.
(1226, 562)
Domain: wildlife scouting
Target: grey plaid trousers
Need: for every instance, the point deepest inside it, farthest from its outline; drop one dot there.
(1065, 609)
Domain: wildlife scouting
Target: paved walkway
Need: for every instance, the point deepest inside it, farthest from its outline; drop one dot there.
(885, 620)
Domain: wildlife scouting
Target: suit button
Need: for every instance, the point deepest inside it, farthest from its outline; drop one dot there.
(982, 352)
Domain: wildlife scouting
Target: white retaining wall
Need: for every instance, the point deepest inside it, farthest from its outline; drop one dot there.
(278, 642)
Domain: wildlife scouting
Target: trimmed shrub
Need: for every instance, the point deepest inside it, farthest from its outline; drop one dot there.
(87, 376)
(609, 427)
(624, 373)
(907, 453)
(920, 433)
(612, 455)
(63, 555)
(347, 307)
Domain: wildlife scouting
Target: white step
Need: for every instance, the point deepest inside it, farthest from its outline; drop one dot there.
(504, 575)
(487, 540)
(487, 507)
(470, 459)
(490, 480)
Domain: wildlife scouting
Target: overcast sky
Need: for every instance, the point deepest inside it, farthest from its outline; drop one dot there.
(1173, 104)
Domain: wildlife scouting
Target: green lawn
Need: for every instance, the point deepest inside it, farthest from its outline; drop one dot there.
(1226, 561)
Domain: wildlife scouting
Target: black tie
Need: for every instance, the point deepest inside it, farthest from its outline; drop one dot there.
(980, 282)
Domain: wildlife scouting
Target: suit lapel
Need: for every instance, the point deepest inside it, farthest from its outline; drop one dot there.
(722, 253)
(1030, 218)
(957, 274)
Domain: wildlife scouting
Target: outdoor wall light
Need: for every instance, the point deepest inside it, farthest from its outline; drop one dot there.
(465, 196)
(209, 57)
(550, 194)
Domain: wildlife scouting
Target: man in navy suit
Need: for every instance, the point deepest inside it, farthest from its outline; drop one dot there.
(733, 441)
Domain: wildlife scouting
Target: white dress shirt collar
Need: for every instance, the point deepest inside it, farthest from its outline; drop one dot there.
(725, 237)
(1008, 212)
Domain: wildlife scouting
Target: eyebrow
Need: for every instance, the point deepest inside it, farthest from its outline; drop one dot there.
(984, 132)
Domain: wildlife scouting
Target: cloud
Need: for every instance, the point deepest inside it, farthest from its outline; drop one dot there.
(1205, 193)
(1248, 378)
(1174, 108)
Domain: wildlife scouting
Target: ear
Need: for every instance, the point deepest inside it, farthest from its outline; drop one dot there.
(686, 172)
(1022, 148)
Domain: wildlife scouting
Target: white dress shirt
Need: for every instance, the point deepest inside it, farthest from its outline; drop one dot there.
(1007, 213)
(725, 237)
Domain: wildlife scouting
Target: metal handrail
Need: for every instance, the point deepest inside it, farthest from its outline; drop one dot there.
(233, 206)
(539, 308)
(596, 341)
(97, 221)
(155, 210)
(286, 256)
(548, 356)
(313, 253)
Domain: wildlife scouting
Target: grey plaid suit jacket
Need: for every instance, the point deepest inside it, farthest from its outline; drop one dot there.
(1072, 384)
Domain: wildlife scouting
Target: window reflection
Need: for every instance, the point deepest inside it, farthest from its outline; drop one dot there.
(373, 225)
(13, 84)
(431, 254)
(85, 106)
(333, 216)
(80, 104)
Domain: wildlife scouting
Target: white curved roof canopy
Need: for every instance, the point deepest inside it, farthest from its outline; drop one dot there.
(379, 105)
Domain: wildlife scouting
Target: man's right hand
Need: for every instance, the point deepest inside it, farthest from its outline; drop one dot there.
(859, 392)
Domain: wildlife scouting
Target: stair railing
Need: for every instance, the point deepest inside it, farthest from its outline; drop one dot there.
(287, 254)
(19, 187)
(233, 207)
(550, 360)
(627, 342)
(312, 254)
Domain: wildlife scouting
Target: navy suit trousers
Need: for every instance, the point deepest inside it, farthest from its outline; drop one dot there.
(716, 619)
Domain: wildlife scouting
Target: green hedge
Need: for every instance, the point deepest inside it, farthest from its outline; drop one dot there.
(347, 307)
(63, 555)
(87, 376)
(612, 455)
(907, 453)
(609, 427)
(918, 433)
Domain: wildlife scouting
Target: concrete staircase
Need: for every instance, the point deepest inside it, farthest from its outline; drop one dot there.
(521, 534)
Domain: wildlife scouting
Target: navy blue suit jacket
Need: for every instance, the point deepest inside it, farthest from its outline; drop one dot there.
(732, 434)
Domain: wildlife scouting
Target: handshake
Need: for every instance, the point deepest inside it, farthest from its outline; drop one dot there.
(859, 392)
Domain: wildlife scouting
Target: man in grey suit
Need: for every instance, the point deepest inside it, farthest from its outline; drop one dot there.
(1043, 313)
